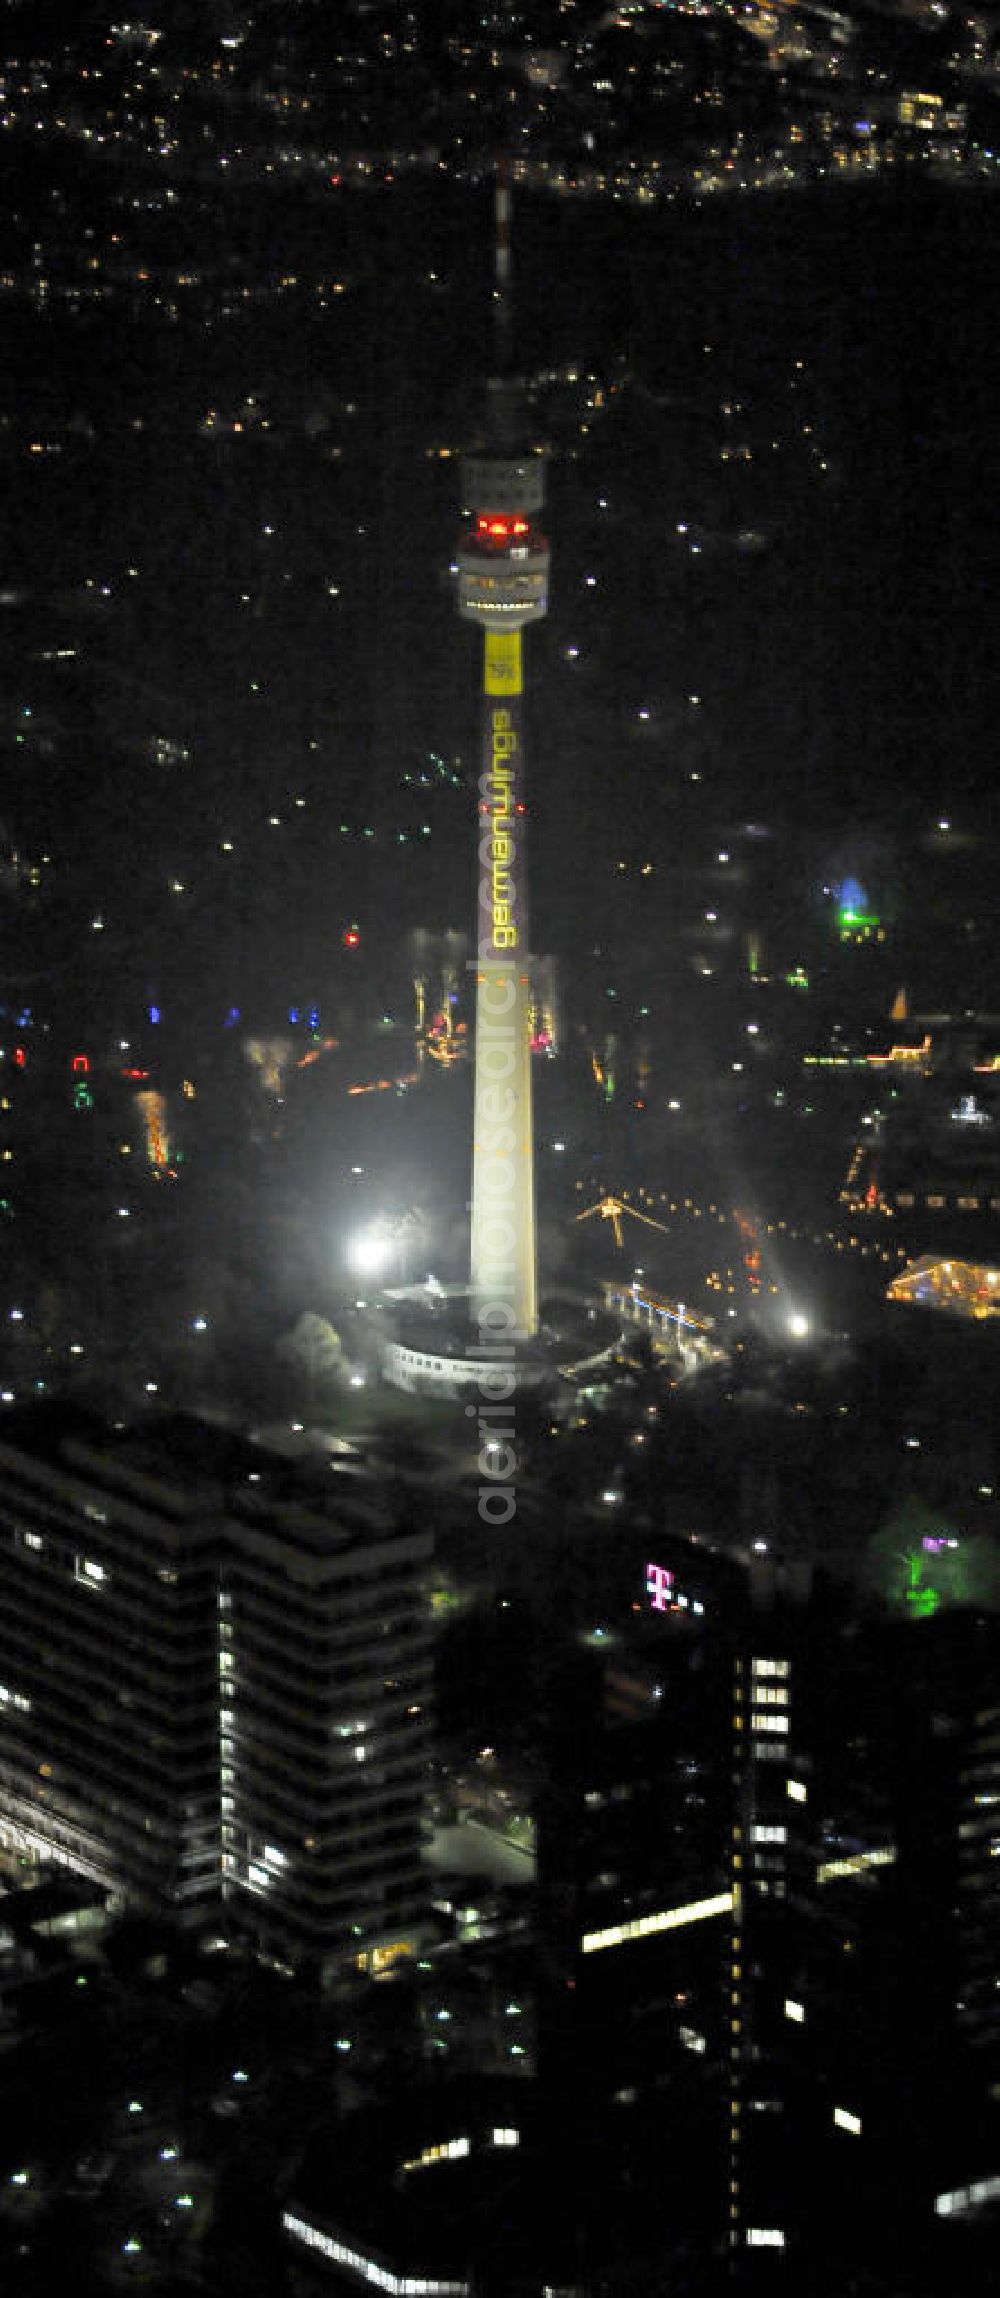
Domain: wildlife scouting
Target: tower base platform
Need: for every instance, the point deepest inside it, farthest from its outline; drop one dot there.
(436, 1348)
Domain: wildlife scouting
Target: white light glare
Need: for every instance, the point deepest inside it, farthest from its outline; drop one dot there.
(369, 1254)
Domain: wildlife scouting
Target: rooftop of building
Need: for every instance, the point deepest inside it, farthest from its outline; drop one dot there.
(465, 2180)
(187, 1470)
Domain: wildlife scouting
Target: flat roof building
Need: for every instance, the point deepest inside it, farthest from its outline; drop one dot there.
(214, 1682)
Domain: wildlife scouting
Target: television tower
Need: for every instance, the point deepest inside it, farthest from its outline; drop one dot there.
(503, 565)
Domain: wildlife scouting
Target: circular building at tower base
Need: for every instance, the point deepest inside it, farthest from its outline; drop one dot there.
(437, 1349)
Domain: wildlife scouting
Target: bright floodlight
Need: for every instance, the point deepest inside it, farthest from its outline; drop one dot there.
(798, 1325)
(370, 1254)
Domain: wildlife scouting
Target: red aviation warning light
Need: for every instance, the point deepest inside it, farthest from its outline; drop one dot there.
(501, 526)
(350, 938)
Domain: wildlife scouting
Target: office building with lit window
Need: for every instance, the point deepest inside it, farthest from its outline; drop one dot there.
(107, 1662)
(863, 2023)
(214, 1683)
(769, 1898)
(633, 1910)
(324, 1714)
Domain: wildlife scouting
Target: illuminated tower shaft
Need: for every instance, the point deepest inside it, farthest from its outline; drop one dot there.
(503, 565)
(503, 1183)
(503, 583)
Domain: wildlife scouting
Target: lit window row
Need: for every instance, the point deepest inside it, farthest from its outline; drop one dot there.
(858, 1862)
(450, 2150)
(368, 2269)
(970, 2197)
(646, 1926)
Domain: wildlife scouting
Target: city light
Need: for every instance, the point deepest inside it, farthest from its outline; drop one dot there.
(248, 1714)
(370, 1253)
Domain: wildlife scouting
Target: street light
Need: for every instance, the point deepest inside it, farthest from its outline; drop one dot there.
(373, 1250)
(370, 1253)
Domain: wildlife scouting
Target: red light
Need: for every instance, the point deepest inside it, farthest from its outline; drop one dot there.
(81, 1062)
(350, 937)
(501, 526)
(20, 1057)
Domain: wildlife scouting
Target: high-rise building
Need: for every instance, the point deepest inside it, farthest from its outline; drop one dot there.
(503, 586)
(214, 1683)
(863, 2030)
(324, 1714)
(108, 1695)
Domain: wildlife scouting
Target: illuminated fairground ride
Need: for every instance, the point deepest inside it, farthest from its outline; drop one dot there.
(961, 1288)
(674, 1325)
(438, 963)
(439, 1035)
(750, 1239)
(613, 1209)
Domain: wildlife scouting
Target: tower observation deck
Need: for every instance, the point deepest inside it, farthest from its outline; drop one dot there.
(503, 564)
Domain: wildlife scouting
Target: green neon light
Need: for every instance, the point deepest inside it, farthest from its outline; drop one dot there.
(922, 1600)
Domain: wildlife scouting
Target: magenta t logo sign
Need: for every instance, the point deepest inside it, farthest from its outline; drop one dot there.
(659, 1588)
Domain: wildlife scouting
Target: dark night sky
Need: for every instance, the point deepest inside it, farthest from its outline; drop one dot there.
(847, 673)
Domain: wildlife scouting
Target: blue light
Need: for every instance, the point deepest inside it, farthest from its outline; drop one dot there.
(851, 894)
(293, 1013)
(313, 1017)
(232, 1016)
(154, 1013)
